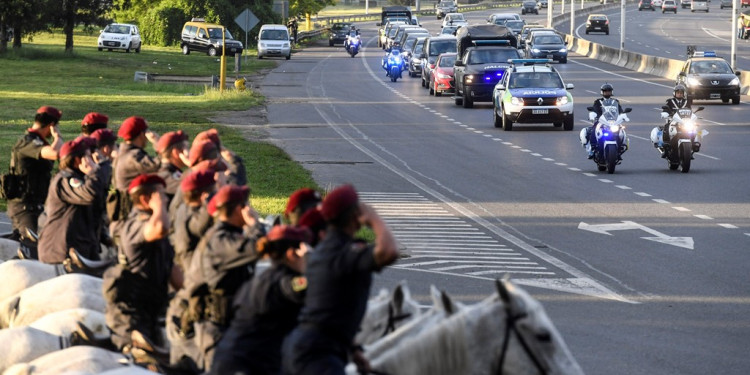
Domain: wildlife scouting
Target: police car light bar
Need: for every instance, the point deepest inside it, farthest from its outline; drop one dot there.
(704, 54)
(529, 61)
(491, 42)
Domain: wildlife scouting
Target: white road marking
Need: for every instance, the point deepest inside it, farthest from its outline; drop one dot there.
(604, 180)
(728, 226)
(683, 209)
(704, 217)
(574, 169)
(623, 187)
(589, 174)
(662, 201)
(643, 194)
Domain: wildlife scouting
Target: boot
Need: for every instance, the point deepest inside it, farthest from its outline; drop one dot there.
(141, 342)
(82, 335)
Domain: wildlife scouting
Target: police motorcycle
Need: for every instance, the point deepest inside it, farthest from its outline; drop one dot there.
(393, 63)
(611, 139)
(684, 137)
(353, 43)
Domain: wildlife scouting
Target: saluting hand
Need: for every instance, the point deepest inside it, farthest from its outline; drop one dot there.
(87, 165)
(250, 216)
(157, 201)
(366, 214)
(152, 136)
(55, 131)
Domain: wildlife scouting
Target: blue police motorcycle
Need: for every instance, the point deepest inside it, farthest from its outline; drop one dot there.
(393, 64)
(611, 139)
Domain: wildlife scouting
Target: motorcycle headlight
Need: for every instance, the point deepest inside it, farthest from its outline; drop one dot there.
(735, 81)
(562, 100)
(516, 101)
(614, 128)
(688, 126)
(692, 81)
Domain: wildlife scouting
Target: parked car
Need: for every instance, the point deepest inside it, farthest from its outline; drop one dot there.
(530, 6)
(197, 35)
(441, 78)
(119, 36)
(669, 6)
(598, 23)
(273, 40)
(646, 4)
(338, 33)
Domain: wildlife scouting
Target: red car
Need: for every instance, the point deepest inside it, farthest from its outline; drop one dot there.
(441, 78)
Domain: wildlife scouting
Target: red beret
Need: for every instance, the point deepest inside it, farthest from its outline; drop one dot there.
(198, 180)
(95, 118)
(339, 200)
(132, 127)
(215, 165)
(228, 193)
(103, 136)
(76, 146)
(87, 141)
(52, 111)
(170, 139)
(312, 219)
(289, 233)
(199, 151)
(300, 197)
(145, 179)
(208, 135)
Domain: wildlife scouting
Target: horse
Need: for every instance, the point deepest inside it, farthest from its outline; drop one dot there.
(510, 333)
(57, 294)
(65, 322)
(24, 344)
(76, 359)
(386, 312)
(8, 249)
(17, 275)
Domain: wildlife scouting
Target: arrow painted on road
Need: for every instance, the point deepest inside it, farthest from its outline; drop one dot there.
(684, 242)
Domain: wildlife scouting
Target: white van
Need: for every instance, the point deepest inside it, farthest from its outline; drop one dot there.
(701, 5)
(274, 40)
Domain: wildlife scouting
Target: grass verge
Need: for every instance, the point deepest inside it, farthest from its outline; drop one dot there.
(40, 73)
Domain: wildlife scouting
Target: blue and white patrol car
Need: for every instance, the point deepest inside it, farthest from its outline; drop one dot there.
(532, 91)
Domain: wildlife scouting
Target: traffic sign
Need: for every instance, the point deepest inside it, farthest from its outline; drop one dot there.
(246, 20)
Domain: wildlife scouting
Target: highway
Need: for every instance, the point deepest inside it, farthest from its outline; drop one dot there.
(643, 271)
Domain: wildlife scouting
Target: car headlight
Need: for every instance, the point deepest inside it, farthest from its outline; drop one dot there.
(535, 50)
(516, 101)
(563, 50)
(443, 76)
(562, 100)
(692, 81)
(735, 81)
(469, 79)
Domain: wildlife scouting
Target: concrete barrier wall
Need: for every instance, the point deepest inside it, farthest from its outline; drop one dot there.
(653, 65)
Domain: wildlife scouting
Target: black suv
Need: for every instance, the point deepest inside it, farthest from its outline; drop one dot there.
(197, 35)
(709, 77)
(338, 33)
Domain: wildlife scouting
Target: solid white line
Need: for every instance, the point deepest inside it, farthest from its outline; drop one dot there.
(441, 236)
(446, 231)
(465, 258)
(458, 246)
(660, 201)
(468, 252)
(435, 226)
(454, 261)
(479, 273)
(704, 217)
(443, 241)
(729, 226)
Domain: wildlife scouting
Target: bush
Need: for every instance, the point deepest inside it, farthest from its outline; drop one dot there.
(162, 26)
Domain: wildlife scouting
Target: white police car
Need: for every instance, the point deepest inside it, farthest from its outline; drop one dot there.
(532, 93)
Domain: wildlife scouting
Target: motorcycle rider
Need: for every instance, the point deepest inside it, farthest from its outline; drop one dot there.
(606, 91)
(676, 102)
(353, 35)
(394, 52)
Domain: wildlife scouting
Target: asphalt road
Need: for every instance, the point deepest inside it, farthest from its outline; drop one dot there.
(666, 291)
(668, 35)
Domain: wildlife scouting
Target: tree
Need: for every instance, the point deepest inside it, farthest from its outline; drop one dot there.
(25, 17)
(78, 12)
(308, 7)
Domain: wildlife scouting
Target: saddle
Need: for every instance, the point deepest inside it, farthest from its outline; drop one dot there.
(77, 263)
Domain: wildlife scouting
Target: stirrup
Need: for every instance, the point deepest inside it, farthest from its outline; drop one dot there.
(76, 263)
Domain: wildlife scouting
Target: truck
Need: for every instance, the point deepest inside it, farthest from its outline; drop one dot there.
(392, 13)
(483, 53)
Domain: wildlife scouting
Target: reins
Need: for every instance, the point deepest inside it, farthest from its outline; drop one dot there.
(510, 325)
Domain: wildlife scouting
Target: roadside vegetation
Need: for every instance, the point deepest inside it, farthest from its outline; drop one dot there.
(41, 73)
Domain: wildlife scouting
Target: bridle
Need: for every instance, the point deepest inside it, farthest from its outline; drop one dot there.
(392, 320)
(510, 326)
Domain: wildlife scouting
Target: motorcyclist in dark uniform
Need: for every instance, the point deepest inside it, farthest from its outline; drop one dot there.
(676, 102)
(606, 90)
(394, 52)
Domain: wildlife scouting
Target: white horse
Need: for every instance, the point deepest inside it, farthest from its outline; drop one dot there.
(17, 275)
(76, 359)
(65, 322)
(8, 249)
(442, 307)
(508, 334)
(57, 294)
(386, 312)
(25, 344)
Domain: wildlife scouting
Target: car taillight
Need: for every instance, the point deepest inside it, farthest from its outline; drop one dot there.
(606, 22)
(432, 66)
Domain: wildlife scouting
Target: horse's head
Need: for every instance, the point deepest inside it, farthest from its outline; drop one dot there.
(386, 312)
(530, 337)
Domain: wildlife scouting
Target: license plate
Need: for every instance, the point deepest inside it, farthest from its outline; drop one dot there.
(539, 111)
(715, 96)
(234, 49)
(597, 28)
(111, 44)
(274, 51)
(550, 56)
